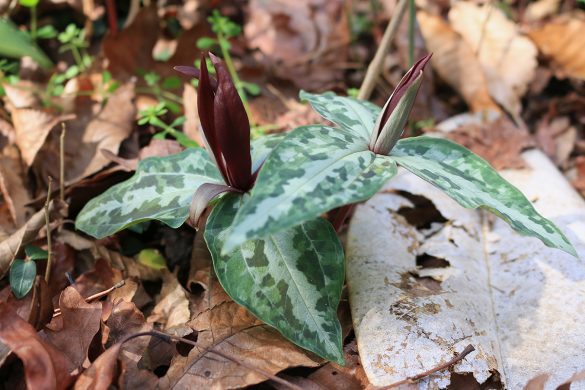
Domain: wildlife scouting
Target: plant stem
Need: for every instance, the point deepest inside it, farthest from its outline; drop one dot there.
(232, 70)
(62, 163)
(49, 251)
(77, 57)
(411, 31)
(33, 23)
(375, 67)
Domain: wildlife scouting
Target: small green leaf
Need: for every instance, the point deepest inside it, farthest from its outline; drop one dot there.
(46, 32)
(28, 3)
(291, 280)
(161, 189)
(151, 78)
(206, 43)
(313, 170)
(152, 258)
(22, 277)
(251, 88)
(473, 183)
(172, 82)
(357, 116)
(35, 253)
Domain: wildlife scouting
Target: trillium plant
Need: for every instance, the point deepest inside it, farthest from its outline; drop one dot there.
(272, 251)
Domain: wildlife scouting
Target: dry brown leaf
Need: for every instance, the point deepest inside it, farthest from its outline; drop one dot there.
(499, 142)
(303, 41)
(32, 127)
(100, 375)
(13, 190)
(507, 58)
(172, 308)
(95, 128)
(73, 331)
(45, 367)
(579, 182)
(21, 95)
(540, 9)
(556, 138)
(455, 62)
(233, 331)
(156, 148)
(537, 383)
(348, 377)
(562, 41)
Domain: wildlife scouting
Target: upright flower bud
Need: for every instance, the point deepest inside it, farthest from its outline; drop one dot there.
(391, 121)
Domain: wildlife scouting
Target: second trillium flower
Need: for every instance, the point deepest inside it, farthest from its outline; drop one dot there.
(393, 117)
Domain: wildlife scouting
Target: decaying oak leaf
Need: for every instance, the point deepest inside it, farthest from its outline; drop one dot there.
(507, 58)
(102, 372)
(231, 330)
(32, 127)
(13, 190)
(562, 41)
(172, 308)
(302, 41)
(73, 331)
(455, 62)
(499, 142)
(45, 367)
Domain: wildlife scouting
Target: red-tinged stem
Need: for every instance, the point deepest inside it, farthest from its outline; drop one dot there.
(112, 16)
(340, 215)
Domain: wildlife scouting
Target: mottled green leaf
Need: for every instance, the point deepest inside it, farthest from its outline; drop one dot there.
(472, 182)
(357, 116)
(291, 280)
(261, 148)
(22, 277)
(313, 170)
(161, 189)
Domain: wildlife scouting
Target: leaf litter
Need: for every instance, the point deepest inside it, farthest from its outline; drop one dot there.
(484, 58)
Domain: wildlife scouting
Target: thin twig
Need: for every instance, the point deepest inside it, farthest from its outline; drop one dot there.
(440, 367)
(62, 163)
(375, 67)
(47, 221)
(95, 296)
(243, 364)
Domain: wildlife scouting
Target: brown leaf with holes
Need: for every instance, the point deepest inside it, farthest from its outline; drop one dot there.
(507, 58)
(231, 330)
(303, 42)
(172, 308)
(562, 41)
(73, 331)
(499, 142)
(455, 62)
(45, 366)
(102, 372)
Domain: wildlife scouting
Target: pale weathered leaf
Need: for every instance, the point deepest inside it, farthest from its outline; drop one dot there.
(161, 189)
(350, 114)
(455, 62)
(472, 182)
(313, 170)
(488, 286)
(291, 280)
(507, 58)
(562, 41)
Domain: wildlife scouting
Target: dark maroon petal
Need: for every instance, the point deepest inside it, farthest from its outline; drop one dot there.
(205, 108)
(195, 73)
(232, 129)
(402, 87)
(205, 194)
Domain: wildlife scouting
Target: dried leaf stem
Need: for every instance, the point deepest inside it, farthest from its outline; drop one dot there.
(375, 67)
(62, 163)
(47, 221)
(440, 367)
(243, 364)
(95, 296)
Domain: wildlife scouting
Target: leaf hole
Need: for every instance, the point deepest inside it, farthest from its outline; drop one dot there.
(161, 371)
(423, 214)
(428, 261)
(183, 348)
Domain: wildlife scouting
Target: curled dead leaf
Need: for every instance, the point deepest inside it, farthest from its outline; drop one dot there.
(507, 59)
(561, 40)
(455, 62)
(45, 366)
